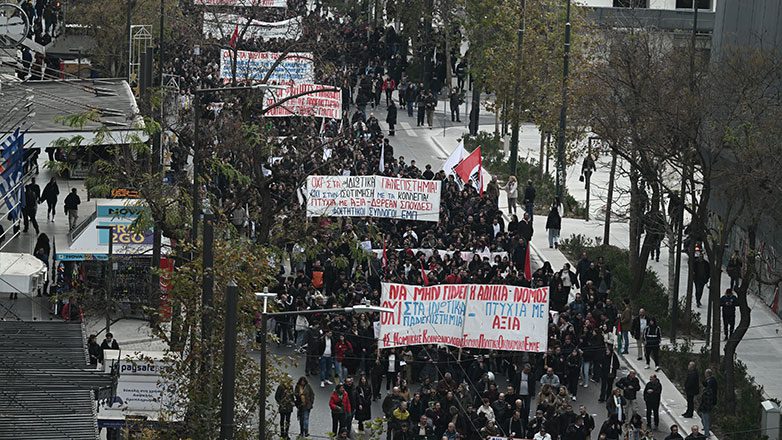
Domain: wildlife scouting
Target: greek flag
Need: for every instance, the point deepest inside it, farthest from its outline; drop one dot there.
(11, 171)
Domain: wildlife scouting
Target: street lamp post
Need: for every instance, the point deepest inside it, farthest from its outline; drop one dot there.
(265, 296)
(563, 110)
(109, 275)
(228, 401)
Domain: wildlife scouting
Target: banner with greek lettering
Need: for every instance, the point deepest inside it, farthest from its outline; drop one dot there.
(305, 100)
(244, 3)
(296, 68)
(224, 25)
(485, 316)
(373, 196)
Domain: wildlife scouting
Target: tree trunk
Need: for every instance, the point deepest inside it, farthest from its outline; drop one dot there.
(715, 286)
(475, 107)
(447, 32)
(609, 200)
(635, 219)
(542, 150)
(728, 363)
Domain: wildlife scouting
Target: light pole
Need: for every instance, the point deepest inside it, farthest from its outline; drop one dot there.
(264, 315)
(109, 275)
(563, 110)
(229, 363)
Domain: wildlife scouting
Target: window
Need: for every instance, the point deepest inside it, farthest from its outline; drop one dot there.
(631, 3)
(687, 4)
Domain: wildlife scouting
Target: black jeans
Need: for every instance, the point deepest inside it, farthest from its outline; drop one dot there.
(652, 412)
(50, 208)
(285, 423)
(654, 354)
(690, 404)
(337, 422)
(455, 113)
(699, 292)
(729, 323)
(606, 385)
(29, 217)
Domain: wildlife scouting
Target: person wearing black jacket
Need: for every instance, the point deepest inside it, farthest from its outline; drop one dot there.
(692, 386)
(609, 365)
(49, 194)
(391, 118)
(652, 395)
(652, 339)
(701, 274)
(96, 353)
(529, 199)
(630, 385)
(553, 226)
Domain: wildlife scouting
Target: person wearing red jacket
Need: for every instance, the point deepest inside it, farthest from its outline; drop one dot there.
(342, 350)
(339, 403)
(389, 85)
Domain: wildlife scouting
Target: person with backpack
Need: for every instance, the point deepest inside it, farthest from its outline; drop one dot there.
(285, 401)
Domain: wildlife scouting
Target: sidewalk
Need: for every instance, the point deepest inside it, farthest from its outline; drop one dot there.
(673, 402)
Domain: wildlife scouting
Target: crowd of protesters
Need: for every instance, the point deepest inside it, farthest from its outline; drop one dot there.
(432, 392)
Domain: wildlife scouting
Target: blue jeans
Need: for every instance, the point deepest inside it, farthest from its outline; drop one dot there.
(706, 419)
(304, 421)
(325, 368)
(585, 367)
(625, 341)
(340, 371)
(410, 108)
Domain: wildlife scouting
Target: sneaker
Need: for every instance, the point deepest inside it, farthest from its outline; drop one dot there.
(329, 382)
(657, 368)
(640, 358)
(322, 384)
(586, 385)
(646, 367)
(573, 398)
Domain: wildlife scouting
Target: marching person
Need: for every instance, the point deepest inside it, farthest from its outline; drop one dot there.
(49, 194)
(728, 304)
(652, 395)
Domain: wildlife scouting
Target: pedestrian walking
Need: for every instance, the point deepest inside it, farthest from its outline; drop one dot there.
(652, 395)
(615, 405)
(553, 226)
(420, 105)
(630, 386)
(363, 409)
(305, 396)
(32, 194)
(72, 202)
(455, 99)
(701, 274)
(708, 400)
(728, 304)
(411, 95)
(652, 339)
(339, 403)
(638, 327)
(326, 352)
(692, 386)
(94, 350)
(42, 250)
(587, 168)
(391, 118)
(285, 402)
(734, 270)
(626, 323)
(609, 366)
(431, 104)
(389, 85)
(50, 193)
(529, 199)
(512, 188)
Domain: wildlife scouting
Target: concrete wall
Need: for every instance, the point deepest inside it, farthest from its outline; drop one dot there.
(753, 23)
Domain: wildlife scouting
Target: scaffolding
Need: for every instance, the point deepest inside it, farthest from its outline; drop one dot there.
(140, 41)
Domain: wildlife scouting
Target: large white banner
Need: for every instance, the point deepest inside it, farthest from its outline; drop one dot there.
(326, 104)
(224, 25)
(373, 196)
(295, 68)
(485, 316)
(244, 3)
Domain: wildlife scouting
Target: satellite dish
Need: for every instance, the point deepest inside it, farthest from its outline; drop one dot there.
(14, 25)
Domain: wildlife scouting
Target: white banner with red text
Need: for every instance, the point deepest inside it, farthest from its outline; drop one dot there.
(305, 100)
(373, 196)
(484, 316)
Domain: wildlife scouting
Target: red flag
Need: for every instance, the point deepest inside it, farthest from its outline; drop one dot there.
(423, 274)
(234, 37)
(471, 168)
(527, 265)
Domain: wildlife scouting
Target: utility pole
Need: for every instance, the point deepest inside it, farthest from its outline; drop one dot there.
(109, 289)
(157, 167)
(563, 110)
(229, 363)
(514, 136)
(262, 401)
(207, 290)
